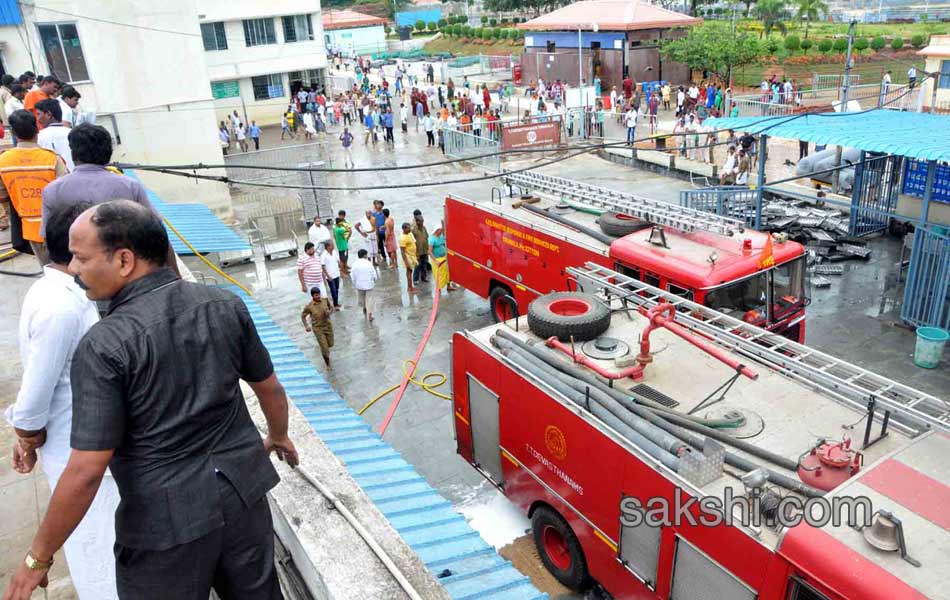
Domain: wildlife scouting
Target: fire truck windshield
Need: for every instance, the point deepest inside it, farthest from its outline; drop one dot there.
(746, 299)
(788, 288)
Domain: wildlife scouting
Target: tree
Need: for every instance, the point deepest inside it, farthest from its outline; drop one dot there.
(878, 43)
(792, 44)
(918, 40)
(771, 13)
(826, 45)
(432, 26)
(861, 44)
(443, 22)
(810, 10)
(806, 45)
(897, 43)
(420, 25)
(841, 44)
(714, 47)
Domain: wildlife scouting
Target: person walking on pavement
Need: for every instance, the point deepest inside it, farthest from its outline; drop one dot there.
(254, 132)
(429, 126)
(346, 140)
(421, 235)
(331, 272)
(410, 258)
(56, 314)
(630, 120)
(380, 219)
(285, 127)
(318, 234)
(366, 227)
(310, 268)
(318, 310)
(341, 234)
(157, 400)
(391, 235)
(364, 276)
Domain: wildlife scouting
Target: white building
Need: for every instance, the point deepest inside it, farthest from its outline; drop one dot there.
(348, 31)
(258, 53)
(139, 65)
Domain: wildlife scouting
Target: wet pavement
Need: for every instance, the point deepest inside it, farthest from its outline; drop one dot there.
(857, 319)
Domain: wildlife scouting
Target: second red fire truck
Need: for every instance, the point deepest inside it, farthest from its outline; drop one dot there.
(512, 249)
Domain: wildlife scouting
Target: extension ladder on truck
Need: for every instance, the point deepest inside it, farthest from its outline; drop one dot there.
(653, 211)
(912, 410)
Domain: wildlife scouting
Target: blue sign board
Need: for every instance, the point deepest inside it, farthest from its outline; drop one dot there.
(915, 180)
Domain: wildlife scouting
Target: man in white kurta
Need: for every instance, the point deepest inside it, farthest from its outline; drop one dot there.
(56, 314)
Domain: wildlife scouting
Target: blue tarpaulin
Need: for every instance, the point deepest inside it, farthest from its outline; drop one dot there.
(917, 135)
(10, 13)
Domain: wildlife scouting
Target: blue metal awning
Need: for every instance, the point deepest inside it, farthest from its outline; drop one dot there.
(10, 13)
(918, 135)
(201, 227)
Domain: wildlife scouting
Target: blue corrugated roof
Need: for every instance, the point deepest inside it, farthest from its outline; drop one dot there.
(201, 227)
(10, 13)
(439, 535)
(918, 135)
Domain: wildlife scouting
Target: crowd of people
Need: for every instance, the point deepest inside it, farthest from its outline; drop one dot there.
(380, 246)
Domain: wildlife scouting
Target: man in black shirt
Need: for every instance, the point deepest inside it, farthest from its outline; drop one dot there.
(156, 398)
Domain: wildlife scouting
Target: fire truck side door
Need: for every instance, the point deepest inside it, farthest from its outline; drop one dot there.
(483, 409)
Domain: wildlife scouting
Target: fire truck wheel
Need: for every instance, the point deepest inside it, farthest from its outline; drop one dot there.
(568, 314)
(619, 224)
(560, 549)
(503, 305)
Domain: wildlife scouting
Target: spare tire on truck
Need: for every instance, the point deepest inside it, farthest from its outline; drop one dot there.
(568, 314)
(620, 224)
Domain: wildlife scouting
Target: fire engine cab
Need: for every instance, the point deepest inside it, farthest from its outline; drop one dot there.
(610, 413)
(519, 245)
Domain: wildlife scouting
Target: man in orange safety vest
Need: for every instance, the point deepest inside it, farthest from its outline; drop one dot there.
(24, 172)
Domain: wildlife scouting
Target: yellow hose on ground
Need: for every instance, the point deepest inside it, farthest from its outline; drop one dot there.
(205, 260)
(8, 254)
(427, 386)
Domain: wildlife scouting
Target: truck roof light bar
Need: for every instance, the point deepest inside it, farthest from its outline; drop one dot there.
(914, 410)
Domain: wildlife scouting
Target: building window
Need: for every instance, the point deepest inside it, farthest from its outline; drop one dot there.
(945, 75)
(63, 51)
(305, 79)
(259, 32)
(268, 86)
(212, 34)
(297, 28)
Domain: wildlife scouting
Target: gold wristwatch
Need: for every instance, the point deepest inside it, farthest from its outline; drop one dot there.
(35, 564)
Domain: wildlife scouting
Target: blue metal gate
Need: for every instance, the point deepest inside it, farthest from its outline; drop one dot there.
(874, 197)
(927, 292)
(735, 201)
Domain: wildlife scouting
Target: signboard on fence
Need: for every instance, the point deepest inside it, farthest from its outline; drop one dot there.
(915, 180)
(530, 135)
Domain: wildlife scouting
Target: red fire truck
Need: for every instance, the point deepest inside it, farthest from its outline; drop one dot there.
(589, 462)
(511, 250)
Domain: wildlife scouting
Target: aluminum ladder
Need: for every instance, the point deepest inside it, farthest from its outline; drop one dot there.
(654, 211)
(913, 411)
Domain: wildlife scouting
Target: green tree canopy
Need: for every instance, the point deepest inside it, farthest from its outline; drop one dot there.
(713, 46)
(810, 10)
(772, 13)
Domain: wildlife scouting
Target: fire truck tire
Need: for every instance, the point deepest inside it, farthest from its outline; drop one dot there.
(619, 224)
(568, 314)
(503, 305)
(559, 549)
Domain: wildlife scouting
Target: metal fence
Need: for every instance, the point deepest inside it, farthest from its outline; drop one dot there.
(832, 81)
(927, 291)
(482, 64)
(240, 167)
(866, 96)
(735, 201)
(459, 144)
(874, 197)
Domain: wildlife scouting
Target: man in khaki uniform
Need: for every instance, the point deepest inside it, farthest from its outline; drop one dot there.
(319, 310)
